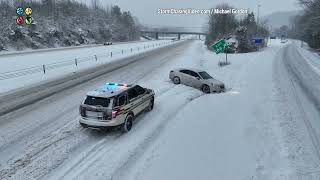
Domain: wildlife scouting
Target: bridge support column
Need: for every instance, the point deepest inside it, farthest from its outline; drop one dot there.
(179, 36)
(157, 35)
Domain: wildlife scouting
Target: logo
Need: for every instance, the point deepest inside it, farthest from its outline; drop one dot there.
(24, 16)
(29, 20)
(20, 21)
(20, 11)
(28, 11)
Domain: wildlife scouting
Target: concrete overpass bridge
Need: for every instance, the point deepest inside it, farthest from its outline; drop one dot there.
(179, 33)
(155, 30)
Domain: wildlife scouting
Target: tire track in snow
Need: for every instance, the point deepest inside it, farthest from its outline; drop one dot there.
(297, 77)
(90, 152)
(44, 147)
(113, 154)
(148, 141)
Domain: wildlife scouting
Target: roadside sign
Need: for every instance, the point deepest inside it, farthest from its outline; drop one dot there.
(257, 41)
(219, 46)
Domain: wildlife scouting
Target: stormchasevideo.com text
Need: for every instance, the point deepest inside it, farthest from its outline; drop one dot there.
(201, 11)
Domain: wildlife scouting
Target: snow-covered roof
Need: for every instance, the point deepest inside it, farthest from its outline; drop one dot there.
(109, 90)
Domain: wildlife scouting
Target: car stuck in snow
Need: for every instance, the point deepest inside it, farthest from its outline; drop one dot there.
(198, 79)
(114, 105)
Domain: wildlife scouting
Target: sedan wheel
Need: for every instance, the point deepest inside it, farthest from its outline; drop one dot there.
(176, 80)
(206, 89)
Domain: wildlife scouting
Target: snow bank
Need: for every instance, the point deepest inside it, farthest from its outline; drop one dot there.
(22, 70)
(221, 136)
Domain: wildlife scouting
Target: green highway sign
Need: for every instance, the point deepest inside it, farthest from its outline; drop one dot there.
(219, 46)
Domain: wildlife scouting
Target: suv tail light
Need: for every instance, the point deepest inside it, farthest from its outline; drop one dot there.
(115, 112)
(82, 111)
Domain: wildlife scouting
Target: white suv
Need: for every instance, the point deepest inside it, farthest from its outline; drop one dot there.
(115, 105)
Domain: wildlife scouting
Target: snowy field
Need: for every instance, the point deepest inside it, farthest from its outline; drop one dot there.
(18, 70)
(254, 131)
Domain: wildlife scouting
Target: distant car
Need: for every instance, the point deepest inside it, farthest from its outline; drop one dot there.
(273, 37)
(115, 105)
(198, 79)
(107, 43)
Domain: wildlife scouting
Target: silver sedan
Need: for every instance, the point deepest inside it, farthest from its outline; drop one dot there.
(198, 79)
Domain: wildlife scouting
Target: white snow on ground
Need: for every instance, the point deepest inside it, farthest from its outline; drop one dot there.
(312, 58)
(298, 108)
(254, 131)
(35, 61)
(217, 136)
(220, 136)
(237, 135)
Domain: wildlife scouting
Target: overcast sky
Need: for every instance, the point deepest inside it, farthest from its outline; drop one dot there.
(147, 10)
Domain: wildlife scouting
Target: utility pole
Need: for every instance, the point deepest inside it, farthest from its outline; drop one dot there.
(226, 58)
(53, 4)
(258, 22)
(258, 18)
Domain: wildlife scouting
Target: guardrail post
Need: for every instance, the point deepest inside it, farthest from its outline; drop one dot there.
(76, 61)
(95, 57)
(138, 48)
(44, 69)
(110, 54)
(122, 51)
(131, 49)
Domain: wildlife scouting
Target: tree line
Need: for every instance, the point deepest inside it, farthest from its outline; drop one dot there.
(306, 26)
(225, 25)
(65, 23)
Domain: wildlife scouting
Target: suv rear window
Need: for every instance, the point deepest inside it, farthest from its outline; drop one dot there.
(97, 101)
(132, 93)
(139, 89)
(121, 100)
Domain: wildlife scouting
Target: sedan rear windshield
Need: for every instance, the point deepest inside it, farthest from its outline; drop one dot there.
(97, 101)
(205, 75)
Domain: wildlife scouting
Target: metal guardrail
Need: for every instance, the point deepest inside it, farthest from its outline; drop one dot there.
(44, 68)
(299, 175)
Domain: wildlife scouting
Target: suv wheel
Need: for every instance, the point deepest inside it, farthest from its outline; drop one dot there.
(151, 104)
(127, 125)
(176, 80)
(205, 89)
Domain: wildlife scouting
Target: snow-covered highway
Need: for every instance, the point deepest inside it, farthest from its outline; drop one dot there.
(264, 127)
(43, 65)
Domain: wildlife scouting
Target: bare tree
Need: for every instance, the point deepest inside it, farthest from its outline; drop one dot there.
(307, 26)
(220, 25)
